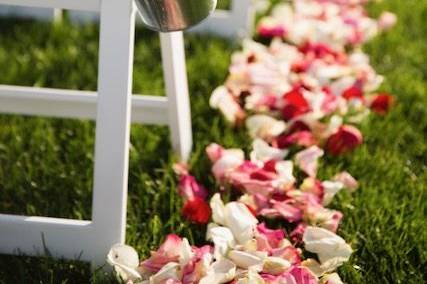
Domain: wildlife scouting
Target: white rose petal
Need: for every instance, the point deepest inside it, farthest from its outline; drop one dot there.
(240, 221)
(125, 261)
(331, 189)
(244, 259)
(221, 271)
(331, 249)
(169, 271)
(262, 152)
(307, 160)
(218, 209)
(275, 265)
(222, 238)
(222, 99)
(264, 126)
(228, 162)
(186, 252)
(285, 171)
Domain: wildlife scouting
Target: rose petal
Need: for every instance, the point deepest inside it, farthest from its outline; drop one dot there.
(168, 272)
(197, 210)
(331, 188)
(223, 100)
(303, 275)
(169, 251)
(275, 265)
(264, 126)
(346, 139)
(262, 152)
(307, 160)
(125, 261)
(221, 271)
(331, 249)
(382, 103)
(189, 188)
(347, 180)
(244, 259)
(240, 221)
(218, 209)
(223, 239)
(294, 105)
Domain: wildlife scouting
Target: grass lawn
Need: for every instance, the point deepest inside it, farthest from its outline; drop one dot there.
(46, 165)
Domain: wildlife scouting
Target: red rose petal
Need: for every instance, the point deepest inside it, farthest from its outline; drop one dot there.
(295, 104)
(344, 140)
(382, 103)
(300, 138)
(270, 166)
(353, 92)
(263, 175)
(197, 210)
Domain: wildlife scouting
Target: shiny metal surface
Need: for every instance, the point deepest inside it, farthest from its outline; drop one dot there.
(174, 15)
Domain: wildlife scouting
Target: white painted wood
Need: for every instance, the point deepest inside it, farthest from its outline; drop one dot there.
(113, 125)
(84, 5)
(244, 18)
(111, 106)
(58, 15)
(76, 104)
(150, 110)
(43, 14)
(236, 22)
(29, 235)
(175, 74)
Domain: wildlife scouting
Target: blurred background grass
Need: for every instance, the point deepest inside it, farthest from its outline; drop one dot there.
(46, 165)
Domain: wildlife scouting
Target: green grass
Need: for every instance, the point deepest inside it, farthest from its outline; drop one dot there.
(46, 165)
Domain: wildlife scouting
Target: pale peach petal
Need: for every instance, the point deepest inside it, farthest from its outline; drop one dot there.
(275, 265)
(333, 278)
(262, 152)
(223, 100)
(264, 126)
(244, 259)
(349, 182)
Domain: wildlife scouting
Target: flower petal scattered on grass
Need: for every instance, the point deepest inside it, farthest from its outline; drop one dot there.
(294, 97)
(197, 210)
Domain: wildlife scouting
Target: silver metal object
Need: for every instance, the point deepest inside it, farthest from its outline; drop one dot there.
(174, 15)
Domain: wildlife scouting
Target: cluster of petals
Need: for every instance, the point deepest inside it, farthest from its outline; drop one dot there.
(194, 195)
(244, 251)
(314, 88)
(339, 23)
(270, 189)
(293, 96)
(300, 97)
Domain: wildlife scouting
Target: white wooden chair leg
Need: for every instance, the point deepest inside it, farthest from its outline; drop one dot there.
(243, 14)
(175, 76)
(113, 125)
(93, 239)
(58, 15)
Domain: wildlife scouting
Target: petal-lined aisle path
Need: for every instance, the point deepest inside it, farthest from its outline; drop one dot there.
(300, 89)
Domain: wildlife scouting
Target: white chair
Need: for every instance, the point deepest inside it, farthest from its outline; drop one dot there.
(236, 22)
(114, 107)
